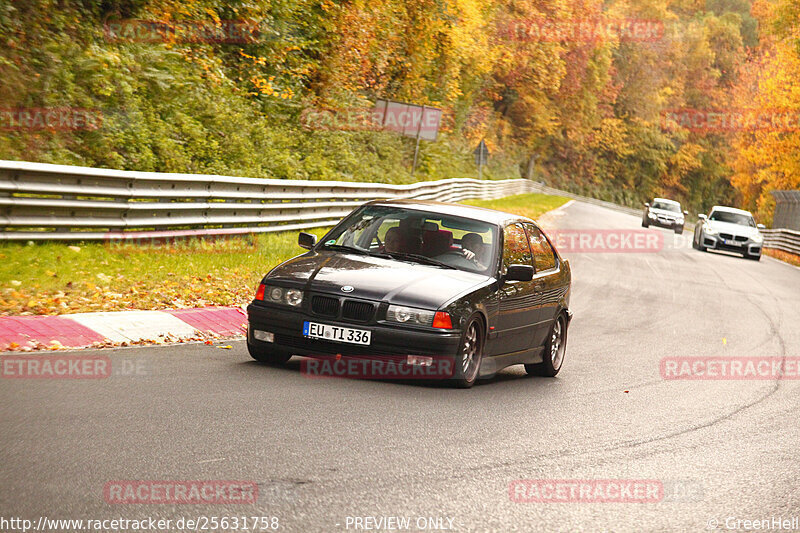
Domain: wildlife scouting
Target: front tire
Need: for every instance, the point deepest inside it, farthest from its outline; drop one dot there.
(470, 353)
(700, 243)
(270, 356)
(554, 350)
(679, 230)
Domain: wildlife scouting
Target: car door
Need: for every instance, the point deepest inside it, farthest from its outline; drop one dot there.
(516, 324)
(547, 285)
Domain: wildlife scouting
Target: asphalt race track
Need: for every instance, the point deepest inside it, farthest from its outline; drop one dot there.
(323, 450)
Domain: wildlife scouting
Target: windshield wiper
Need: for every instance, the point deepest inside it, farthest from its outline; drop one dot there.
(419, 259)
(345, 248)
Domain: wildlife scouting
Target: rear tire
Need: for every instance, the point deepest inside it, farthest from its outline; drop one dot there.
(555, 349)
(467, 364)
(268, 356)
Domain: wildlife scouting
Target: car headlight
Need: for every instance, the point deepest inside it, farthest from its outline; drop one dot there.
(757, 238)
(651, 215)
(679, 220)
(409, 315)
(294, 297)
(279, 295)
(276, 294)
(709, 230)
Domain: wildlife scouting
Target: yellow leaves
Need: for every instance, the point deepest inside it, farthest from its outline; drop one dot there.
(687, 159)
(767, 160)
(612, 137)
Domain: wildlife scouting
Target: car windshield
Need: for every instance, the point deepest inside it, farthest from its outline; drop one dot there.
(667, 206)
(733, 218)
(416, 236)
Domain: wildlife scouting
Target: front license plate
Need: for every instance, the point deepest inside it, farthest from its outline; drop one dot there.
(327, 332)
(730, 242)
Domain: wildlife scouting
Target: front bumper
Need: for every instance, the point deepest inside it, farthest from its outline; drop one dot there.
(387, 341)
(671, 224)
(715, 242)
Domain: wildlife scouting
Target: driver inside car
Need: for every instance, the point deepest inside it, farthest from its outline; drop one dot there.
(472, 247)
(392, 241)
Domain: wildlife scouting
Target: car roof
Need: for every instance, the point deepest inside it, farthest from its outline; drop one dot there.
(730, 210)
(667, 200)
(467, 211)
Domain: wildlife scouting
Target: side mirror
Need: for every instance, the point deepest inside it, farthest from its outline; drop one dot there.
(686, 212)
(306, 240)
(519, 273)
(761, 226)
(701, 216)
(647, 204)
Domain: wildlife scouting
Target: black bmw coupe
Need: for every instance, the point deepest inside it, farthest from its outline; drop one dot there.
(420, 284)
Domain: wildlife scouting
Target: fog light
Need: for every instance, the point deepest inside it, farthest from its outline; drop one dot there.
(420, 360)
(265, 336)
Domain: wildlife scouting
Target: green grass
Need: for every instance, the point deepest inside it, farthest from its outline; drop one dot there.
(531, 205)
(59, 278)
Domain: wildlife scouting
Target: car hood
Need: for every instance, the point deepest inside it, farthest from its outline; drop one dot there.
(734, 229)
(376, 278)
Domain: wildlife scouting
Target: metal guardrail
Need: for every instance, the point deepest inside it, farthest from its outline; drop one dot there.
(56, 202)
(786, 240)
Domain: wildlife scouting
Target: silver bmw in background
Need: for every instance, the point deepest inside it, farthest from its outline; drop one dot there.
(729, 229)
(664, 213)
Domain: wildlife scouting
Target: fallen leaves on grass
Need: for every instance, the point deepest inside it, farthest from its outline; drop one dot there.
(786, 257)
(205, 337)
(107, 293)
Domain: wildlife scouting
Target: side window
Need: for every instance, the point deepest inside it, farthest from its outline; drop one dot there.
(543, 256)
(515, 247)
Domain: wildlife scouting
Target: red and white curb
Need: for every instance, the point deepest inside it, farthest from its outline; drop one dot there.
(81, 330)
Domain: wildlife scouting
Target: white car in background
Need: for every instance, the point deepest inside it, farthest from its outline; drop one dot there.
(729, 229)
